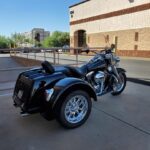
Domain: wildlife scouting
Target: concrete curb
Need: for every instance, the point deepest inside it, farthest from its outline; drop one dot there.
(16, 68)
(26, 62)
(139, 81)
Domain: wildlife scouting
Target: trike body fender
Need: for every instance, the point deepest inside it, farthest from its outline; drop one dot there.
(67, 85)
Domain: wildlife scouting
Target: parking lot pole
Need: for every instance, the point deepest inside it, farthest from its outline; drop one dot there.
(27, 55)
(35, 55)
(15, 53)
(54, 57)
(44, 55)
(10, 52)
(58, 58)
(77, 56)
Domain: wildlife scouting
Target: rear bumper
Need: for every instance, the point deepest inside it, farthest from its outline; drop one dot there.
(24, 110)
(18, 103)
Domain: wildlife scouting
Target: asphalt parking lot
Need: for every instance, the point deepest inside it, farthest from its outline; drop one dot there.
(116, 123)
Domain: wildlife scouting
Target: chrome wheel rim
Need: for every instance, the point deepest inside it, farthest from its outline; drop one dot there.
(76, 109)
(117, 87)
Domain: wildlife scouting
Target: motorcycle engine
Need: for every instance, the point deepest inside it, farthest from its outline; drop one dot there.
(99, 79)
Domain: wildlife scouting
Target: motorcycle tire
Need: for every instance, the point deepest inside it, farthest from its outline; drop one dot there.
(124, 84)
(74, 110)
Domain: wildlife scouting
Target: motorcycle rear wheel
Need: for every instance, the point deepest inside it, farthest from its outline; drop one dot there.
(75, 110)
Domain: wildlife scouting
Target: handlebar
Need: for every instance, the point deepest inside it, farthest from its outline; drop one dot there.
(106, 50)
(109, 50)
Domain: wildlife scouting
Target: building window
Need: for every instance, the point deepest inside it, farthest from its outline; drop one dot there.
(107, 38)
(135, 47)
(136, 36)
(116, 42)
(88, 39)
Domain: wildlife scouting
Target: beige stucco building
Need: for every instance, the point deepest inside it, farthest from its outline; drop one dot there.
(126, 23)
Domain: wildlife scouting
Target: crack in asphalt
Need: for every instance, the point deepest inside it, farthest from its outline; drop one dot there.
(125, 122)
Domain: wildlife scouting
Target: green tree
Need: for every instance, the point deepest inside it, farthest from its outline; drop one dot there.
(11, 43)
(27, 40)
(57, 39)
(5, 42)
(18, 38)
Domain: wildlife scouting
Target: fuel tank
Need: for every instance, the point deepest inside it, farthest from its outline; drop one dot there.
(96, 63)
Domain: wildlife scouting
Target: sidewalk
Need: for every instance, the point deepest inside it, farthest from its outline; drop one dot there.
(135, 67)
(135, 58)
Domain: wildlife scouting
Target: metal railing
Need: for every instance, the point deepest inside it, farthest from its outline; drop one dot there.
(55, 55)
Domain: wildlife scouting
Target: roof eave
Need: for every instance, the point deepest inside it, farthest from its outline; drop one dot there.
(79, 3)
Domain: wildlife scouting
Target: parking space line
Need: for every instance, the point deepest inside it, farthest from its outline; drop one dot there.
(2, 90)
(7, 94)
(7, 81)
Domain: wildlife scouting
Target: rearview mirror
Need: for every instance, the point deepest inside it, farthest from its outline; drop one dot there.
(113, 46)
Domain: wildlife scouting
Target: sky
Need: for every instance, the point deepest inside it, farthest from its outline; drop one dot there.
(24, 15)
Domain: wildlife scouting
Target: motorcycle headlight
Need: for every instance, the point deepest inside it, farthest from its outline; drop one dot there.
(117, 59)
(48, 94)
(108, 56)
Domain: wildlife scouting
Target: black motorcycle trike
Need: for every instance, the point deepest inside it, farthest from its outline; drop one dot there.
(66, 92)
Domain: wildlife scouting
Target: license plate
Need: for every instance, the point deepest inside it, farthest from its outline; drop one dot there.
(20, 93)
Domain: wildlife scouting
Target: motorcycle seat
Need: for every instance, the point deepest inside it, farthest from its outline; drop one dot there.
(78, 71)
(62, 69)
(49, 68)
(72, 71)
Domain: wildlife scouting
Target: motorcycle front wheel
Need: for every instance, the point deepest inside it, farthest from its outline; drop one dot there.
(75, 109)
(118, 88)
